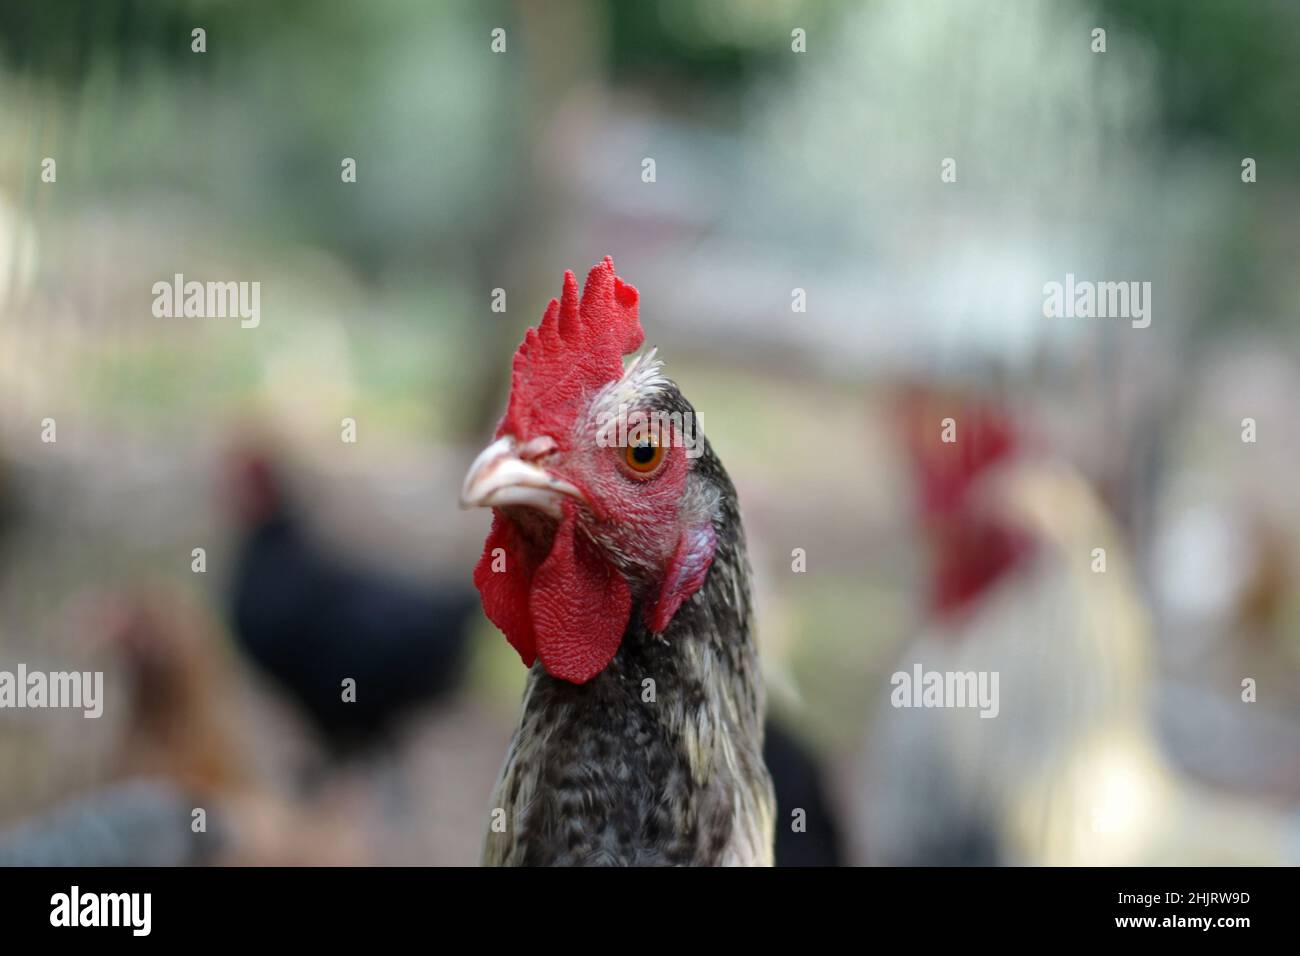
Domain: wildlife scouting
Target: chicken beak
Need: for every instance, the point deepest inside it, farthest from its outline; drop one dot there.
(502, 475)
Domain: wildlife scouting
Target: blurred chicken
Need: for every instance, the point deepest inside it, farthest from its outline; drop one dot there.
(183, 742)
(1069, 771)
(310, 621)
(180, 724)
(135, 823)
(797, 782)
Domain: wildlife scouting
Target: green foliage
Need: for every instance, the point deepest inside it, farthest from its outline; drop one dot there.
(1227, 70)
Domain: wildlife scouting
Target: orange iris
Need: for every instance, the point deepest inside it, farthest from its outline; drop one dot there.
(643, 458)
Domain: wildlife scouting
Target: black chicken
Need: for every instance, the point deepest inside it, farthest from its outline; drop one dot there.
(311, 621)
(814, 838)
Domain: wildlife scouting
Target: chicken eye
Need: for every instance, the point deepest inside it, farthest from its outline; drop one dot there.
(643, 457)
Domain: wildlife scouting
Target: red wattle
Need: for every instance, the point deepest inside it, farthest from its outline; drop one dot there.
(504, 590)
(580, 607)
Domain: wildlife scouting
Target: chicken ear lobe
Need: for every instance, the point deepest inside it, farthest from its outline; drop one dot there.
(683, 575)
(580, 606)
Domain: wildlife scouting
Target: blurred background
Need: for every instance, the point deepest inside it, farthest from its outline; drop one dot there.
(775, 170)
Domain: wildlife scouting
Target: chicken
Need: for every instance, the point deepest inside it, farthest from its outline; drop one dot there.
(616, 568)
(179, 752)
(797, 778)
(1067, 768)
(134, 823)
(310, 621)
(180, 723)
(183, 743)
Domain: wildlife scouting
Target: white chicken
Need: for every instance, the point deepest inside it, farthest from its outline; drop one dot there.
(1032, 583)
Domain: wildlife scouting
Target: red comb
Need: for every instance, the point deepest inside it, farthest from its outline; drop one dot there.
(975, 547)
(576, 349)
(945, 471)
